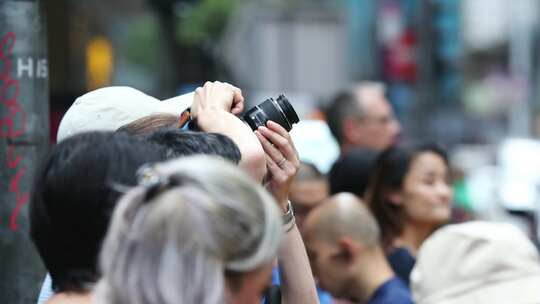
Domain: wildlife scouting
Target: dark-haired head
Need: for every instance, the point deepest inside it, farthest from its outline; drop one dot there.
(342, 105)
(410, 186)
(351, 172)
(74, 194)
(184, 143)
(309, 188)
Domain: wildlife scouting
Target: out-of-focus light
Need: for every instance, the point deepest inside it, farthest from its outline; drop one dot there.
(519, 174)
(99, 63)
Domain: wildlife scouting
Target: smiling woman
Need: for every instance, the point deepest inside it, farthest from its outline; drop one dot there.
(411, 197)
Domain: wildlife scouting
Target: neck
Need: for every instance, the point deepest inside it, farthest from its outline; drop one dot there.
(71, 298)
(413, 236)
(372, 272)
(345, 148)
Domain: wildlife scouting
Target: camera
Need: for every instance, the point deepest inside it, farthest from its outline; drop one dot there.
(279, 111)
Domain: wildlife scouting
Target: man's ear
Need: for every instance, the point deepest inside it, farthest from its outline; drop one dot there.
(350, 129)
(348, 250)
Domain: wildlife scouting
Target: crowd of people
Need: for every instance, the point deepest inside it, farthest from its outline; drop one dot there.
(134, 205)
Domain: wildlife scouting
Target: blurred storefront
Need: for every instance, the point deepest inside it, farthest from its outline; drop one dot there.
(464, 73)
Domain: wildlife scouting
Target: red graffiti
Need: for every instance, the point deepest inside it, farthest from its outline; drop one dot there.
(12, 125)
(20, 199)
(12, 163)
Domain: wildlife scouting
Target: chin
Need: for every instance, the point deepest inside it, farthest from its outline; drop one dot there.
(441, 220)
(339, 291)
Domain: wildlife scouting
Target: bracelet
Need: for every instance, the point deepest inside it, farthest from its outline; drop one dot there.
(288, 218)
(185, 118)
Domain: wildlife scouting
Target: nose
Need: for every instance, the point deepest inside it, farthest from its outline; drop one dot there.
(314, 270)
(445, 192)
(394, 131)
(313, 264)
(396, 127)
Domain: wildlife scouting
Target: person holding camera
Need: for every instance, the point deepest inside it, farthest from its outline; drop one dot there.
(214, 108)
(266, 154)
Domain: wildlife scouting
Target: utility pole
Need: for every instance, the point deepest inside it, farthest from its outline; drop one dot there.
(425, 81)
(24, 137)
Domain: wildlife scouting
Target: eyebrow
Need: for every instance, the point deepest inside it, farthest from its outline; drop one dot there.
(433, 173)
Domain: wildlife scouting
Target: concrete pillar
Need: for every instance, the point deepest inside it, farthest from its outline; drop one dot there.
(24, 133)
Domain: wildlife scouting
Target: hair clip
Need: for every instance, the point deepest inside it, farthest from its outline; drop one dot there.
(149, 178)
(147, 175)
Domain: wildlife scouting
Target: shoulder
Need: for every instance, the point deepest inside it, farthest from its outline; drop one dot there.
(392, 291)
(402, 262)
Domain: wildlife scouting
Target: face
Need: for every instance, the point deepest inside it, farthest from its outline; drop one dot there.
(329, 267)
(306, 195)
(378, 127)
(252, 286)
(426, 195)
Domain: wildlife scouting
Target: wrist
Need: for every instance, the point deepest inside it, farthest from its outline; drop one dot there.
(213, 120)
(283, 206)
(288, 218)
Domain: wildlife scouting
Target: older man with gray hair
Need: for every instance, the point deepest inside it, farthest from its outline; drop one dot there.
(362, 117)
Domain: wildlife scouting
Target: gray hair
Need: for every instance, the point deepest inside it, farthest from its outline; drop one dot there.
(345, 104)
(175, 244)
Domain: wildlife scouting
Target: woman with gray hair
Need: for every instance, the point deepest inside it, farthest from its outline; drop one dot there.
(196, 230)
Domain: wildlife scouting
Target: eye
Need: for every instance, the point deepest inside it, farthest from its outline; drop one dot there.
(448, 180)
(429, 181)
(312, 256)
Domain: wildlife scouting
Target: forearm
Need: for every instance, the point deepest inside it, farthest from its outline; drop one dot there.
(253, 157)
(297, 284)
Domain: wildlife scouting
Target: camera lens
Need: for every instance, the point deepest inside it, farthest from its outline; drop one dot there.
(288, 110)
(279, 111)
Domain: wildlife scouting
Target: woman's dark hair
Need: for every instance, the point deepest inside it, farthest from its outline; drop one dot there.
(388, 176)
(352, 171)
(73, 197)
(180, 143)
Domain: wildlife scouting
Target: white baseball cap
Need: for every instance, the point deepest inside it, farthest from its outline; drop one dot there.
(109, 108)
(477, 263)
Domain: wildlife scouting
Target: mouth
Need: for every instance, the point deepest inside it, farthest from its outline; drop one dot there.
(396, 139)
(445, 203)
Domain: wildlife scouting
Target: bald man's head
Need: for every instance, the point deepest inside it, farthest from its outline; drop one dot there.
(341, 238)
(343, 215)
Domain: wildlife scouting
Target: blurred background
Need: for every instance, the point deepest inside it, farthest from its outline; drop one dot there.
(458, 71)
(462, 72)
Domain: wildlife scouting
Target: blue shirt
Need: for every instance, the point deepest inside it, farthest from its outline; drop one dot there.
(324, 297)
(393, 291)
(402, 263)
